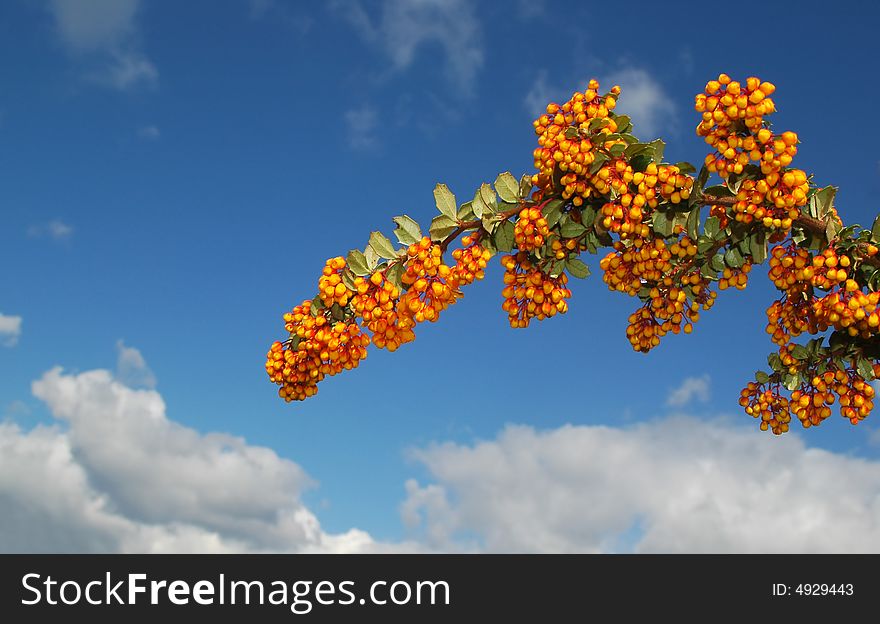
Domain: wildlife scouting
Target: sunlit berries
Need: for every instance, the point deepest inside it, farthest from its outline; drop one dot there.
(530, 293)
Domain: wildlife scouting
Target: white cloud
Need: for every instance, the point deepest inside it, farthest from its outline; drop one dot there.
(105, 31)
(691, 388)
(361, 123)
(149, 133)
(674, 485)
(645, 100)
(55, 229)
(116, 475)
(406, 26)
(85, 25)
(10, 329)
(132, 369)
(126, 71)
(641, 97)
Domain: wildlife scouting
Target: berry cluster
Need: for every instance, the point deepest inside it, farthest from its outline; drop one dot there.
(567, 144)
(376, 304)
(330, 286)
(629, 267)
(767, 403)
(431, 286)
(530, 293)
(318, 347)
(470, 261)
(731, 113)
(531, 229)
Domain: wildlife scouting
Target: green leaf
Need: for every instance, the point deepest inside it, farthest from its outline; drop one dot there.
(445, 201)
(686, 167)
(719, 190)
(552, 211)
(588, 215)
(598, 122)
(336, 312)
(712, 227)
(441, 227)
(617, 150)
(507, 187)
(576, 268)
(557, 268)
(733, 258)
(693, 223)
(466, 211)
(875, 231)
(865, 369)
(623, 123)
(636, 149)
(571, 133)
(488, 222)
(832, 228)
(661, 224)
(408, 231)
(503, 237)
(571, 229)
(758, 247)
(761, 377)
(704, 244)
(823, 201)
(394, 275)
(659, 147)
(488, 196)
(372, 258)
(775, 363)
(479, 204)
(799, 352)
(717, 263)
(348, 278)
(598, 161)
(382, 246)
(357, 262)
(707, 272)
(317, 306)
(525, 185)
(791, 382)
(703, 177)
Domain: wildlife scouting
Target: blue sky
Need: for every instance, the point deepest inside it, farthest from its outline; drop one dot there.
(175, 175)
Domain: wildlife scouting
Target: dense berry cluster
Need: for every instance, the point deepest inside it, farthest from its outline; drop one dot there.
(768, 404)
(530, 293)
(531, 229)
(376, 304)
(569, 138)
(318, 347)
(733, 117)
(629, 267)
(330, 286)
(431, 286)
(470, 261)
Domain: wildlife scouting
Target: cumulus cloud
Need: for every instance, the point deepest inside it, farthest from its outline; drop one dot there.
(105, 32)
(642, 98)
(10, 329)
(115, 474)
(361, 124)
(692, 388)
(673, 485)
(132, 369)
(406, 26)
